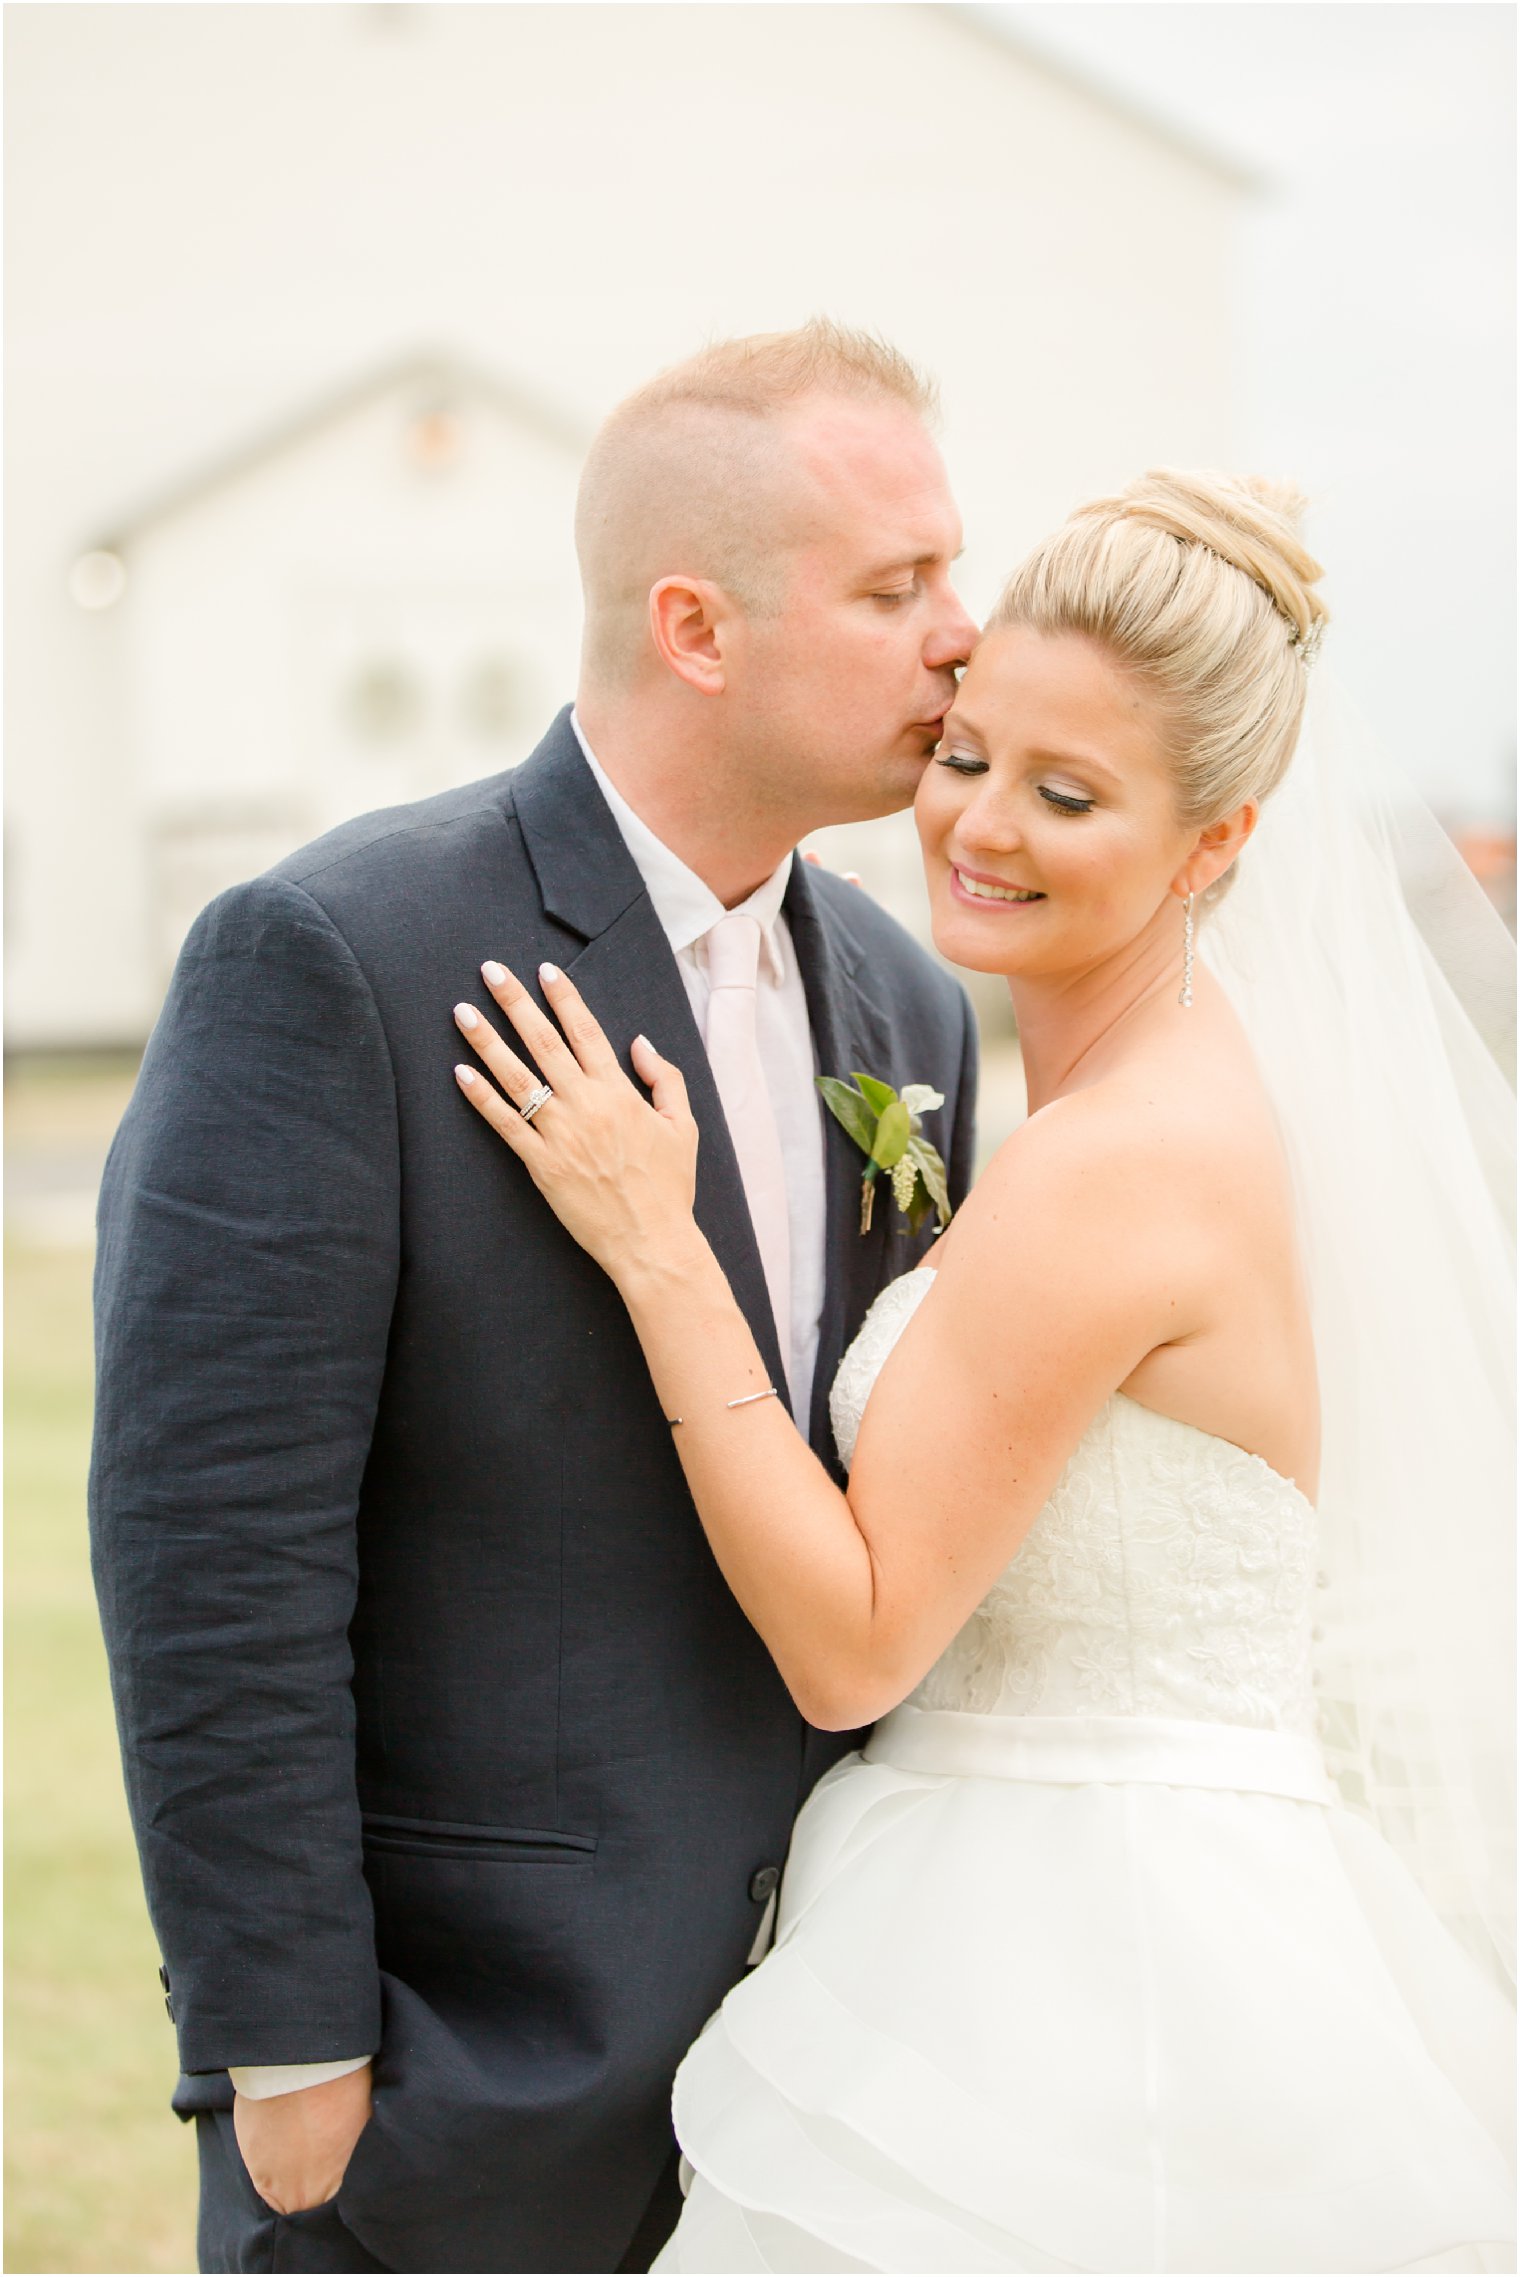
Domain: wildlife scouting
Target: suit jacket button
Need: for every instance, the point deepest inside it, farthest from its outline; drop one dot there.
(163, 1976)
(168, 2008)
(764, 1882)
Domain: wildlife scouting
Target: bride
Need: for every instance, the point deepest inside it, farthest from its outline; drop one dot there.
(1159, 1923)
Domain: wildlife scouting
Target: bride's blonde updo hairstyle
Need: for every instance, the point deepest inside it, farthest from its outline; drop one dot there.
(1200, 586)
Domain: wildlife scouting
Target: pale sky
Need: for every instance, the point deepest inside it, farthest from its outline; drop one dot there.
(1376, 322)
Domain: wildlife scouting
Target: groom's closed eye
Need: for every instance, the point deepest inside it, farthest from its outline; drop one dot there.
(885, 578)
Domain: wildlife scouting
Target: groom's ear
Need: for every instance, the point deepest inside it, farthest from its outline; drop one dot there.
(687, 620)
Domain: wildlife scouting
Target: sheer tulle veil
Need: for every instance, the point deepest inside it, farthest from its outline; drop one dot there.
(1377, 986)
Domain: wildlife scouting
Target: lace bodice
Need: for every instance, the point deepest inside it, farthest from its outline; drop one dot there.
(1169, 1574)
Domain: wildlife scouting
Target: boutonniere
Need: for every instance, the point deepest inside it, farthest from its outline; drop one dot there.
(888, 1130)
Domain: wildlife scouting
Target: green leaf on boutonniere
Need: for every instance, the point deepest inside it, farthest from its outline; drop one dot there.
(892, 1134)
(932, 1193)
(880, 1095)
(889, 1132)
(848, 1107)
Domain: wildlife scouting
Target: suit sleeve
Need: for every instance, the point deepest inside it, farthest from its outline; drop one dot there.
(246, 1271)
(962, 1164)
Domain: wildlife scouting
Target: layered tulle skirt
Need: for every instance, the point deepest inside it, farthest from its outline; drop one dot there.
(1088, 2005)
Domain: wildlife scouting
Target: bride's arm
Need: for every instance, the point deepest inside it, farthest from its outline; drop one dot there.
(855, 1594)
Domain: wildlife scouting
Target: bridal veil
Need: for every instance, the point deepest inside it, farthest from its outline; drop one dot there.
(1377, 985)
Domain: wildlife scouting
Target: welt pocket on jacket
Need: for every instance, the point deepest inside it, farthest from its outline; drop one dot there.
(460, 1838)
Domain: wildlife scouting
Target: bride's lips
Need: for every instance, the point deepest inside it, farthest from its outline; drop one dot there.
(1007, 887)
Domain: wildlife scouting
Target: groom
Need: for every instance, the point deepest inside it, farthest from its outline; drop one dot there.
(460, 1782)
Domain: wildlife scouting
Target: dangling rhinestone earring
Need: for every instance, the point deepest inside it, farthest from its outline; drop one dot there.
(1186, 997)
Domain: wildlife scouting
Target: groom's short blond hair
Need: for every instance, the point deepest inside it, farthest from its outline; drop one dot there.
(688, 476)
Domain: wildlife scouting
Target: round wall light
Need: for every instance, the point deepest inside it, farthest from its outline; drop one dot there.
(98, 580)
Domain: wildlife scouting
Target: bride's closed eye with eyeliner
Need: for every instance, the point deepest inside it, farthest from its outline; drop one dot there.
(966, 763)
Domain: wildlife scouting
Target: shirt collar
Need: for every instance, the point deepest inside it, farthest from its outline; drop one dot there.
(684, 905)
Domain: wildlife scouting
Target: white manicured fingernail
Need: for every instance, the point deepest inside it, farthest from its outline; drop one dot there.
(549, 974)
(644, 1040)
(465, 1074)
(467, 1016)
(494, 973)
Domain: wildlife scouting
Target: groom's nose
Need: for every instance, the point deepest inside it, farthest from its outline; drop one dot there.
(954, 636)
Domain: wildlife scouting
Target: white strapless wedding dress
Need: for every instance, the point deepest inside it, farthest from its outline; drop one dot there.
(1081, 1965)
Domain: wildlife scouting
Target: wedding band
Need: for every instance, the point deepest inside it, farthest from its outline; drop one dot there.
(531, 1106)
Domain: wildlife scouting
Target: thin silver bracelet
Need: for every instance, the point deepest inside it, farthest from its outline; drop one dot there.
(770, 1392)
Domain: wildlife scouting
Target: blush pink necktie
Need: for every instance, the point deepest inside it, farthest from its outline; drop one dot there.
(733, 956)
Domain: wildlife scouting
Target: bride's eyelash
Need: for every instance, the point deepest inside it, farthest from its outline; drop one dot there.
(964, 763)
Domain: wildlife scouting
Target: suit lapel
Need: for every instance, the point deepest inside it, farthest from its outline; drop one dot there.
(628, 976)
(850, 1031)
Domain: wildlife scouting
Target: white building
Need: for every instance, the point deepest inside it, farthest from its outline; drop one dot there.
(272, 562)
(337, 619)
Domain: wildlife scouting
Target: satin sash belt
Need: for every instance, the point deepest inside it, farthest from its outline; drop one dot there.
(1161, 1751)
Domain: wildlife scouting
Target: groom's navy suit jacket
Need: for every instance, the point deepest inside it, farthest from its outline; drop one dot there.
(443, 1735)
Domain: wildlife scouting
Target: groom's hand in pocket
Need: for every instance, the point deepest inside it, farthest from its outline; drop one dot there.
(297, 2147)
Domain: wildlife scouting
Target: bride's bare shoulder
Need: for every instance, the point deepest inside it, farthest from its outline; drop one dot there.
(1169, 1139)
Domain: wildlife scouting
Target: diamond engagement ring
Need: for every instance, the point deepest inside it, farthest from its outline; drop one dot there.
(531, 1106)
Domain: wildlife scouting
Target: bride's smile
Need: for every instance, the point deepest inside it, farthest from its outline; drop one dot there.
(969, 884)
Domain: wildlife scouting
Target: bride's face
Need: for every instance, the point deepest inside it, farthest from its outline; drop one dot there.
(1047, 815)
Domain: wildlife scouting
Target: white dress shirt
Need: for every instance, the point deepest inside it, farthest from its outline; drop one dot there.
(686, 909)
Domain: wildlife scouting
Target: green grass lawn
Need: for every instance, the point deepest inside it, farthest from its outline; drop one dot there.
(99, 2174)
